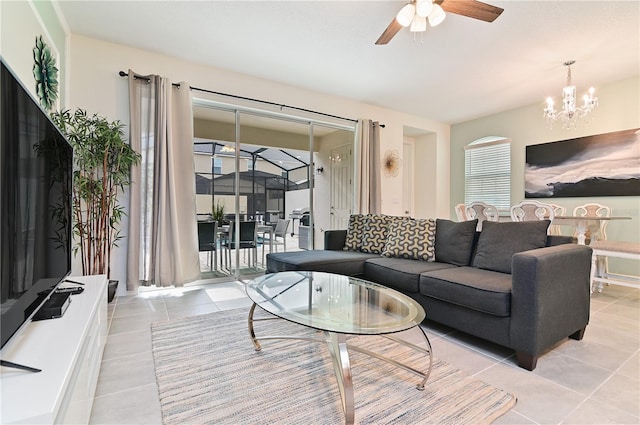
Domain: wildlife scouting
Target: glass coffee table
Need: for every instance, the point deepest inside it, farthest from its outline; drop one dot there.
(340, 306)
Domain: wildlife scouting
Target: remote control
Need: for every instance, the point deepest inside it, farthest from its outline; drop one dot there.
(72, 291)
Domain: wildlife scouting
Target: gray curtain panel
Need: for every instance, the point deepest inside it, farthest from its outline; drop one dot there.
(368, 166)
(163, 240)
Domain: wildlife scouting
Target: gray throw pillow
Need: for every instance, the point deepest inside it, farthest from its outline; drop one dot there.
(454, 241)
(499, 241)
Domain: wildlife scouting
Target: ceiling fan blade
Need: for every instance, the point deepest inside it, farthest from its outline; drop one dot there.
(472, 9)
(391, 31)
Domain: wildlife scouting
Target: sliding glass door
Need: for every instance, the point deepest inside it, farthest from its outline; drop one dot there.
(214, 157)
(268, 182)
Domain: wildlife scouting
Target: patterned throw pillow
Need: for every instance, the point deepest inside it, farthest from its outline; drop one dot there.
(355, 231)
(412, 239)
(376, 228)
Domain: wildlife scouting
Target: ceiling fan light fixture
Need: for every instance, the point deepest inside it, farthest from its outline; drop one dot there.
(423, 8)
(418, 24)
(436, 16)
(406, 14)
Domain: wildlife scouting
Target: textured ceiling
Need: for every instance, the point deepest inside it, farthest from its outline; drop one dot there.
(460, 70)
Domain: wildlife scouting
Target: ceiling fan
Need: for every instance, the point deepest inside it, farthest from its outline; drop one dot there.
(416, 13)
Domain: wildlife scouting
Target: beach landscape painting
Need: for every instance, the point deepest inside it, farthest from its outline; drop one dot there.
(600, 165)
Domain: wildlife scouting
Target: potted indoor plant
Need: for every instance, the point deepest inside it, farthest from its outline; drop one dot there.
(102, 165)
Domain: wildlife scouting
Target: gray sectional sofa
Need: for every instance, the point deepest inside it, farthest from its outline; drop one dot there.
(510, 284)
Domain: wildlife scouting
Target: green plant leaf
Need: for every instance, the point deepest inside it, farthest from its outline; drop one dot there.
(102, 164)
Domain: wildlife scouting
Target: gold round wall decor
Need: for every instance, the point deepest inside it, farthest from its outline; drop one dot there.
(391, 163)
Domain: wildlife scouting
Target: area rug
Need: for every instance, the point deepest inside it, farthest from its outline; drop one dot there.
(208, 372)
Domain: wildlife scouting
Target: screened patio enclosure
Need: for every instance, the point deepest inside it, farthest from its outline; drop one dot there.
(269, 174)
(262, 166)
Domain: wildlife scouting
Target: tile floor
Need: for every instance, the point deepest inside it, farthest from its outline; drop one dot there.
(593, 381)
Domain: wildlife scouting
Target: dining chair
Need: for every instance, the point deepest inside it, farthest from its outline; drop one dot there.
(595, 210)
(461, 212)
(481, 211)
(278, 237)
(554, 229)
(207, 241)
(531, 210)
(248, 241)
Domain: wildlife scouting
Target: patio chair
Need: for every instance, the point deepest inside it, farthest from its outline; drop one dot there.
(248, 241)
(278, 237)
(207, 241)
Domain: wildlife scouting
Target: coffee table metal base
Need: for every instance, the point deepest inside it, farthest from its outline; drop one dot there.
(338, 350)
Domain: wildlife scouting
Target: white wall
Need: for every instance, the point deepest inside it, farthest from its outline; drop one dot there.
(91, 68)
(89, 80)
(619, 109)
(20, 23)
(96, 86)
(428, 185)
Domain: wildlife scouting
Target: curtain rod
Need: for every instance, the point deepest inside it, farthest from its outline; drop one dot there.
(124, 74)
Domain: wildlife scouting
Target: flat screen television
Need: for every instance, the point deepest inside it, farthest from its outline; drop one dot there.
(36, 172)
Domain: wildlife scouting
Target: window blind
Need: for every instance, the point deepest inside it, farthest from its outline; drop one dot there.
(488, 173)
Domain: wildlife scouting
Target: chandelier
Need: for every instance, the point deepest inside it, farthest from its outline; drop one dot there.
(570, 113)
(415, 14)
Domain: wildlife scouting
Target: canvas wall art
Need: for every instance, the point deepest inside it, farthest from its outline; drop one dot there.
(601, 165)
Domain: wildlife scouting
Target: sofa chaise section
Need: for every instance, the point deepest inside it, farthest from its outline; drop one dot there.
(346, 263)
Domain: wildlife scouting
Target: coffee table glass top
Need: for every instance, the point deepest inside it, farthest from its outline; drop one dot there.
(335, 303)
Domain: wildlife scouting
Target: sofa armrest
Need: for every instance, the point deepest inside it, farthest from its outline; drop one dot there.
(334, 239)
(550, 296)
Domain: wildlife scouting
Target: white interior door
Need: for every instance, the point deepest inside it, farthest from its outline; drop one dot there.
(341, 187)
(408, 148)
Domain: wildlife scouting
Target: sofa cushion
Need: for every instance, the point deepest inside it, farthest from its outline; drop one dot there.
(482, 290)
(454, 241)
(499, 241)
(398, 273)
(347, 263)
(411, 239)
(376, 229)
(355, 230)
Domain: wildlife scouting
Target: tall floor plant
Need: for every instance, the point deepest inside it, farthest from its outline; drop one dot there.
(102, 165)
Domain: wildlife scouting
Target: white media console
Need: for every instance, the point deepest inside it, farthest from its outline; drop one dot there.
(68, 350)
